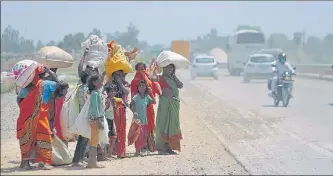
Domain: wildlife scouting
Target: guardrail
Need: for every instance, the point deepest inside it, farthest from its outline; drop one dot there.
(320, 71)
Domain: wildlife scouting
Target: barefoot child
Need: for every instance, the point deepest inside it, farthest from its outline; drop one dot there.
(111, 91)
(96, 117)
(139, 106)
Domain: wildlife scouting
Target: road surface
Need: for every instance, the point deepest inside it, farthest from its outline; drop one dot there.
(297, 139)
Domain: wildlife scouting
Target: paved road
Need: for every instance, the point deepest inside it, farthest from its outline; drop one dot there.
(297, 139)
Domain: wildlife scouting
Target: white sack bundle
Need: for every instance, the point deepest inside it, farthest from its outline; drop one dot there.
(168, 57)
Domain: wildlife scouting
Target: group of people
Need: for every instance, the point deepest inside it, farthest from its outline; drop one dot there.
(41, 103)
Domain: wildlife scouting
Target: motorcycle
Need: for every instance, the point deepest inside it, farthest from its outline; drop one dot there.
(283, 88)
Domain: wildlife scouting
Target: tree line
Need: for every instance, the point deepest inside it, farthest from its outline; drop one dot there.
(315, 48)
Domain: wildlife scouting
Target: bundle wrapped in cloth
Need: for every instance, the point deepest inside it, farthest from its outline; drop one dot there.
(54, 57)
(117, 60)
(24, 72)
(166, 58)
(134, 131)
(97, 52)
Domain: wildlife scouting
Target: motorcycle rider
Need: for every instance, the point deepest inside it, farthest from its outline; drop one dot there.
(281, 66)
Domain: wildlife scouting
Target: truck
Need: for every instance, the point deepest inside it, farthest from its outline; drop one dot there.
(181, 47)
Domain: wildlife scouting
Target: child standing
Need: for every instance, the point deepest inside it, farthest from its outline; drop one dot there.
(139, 106)
(82, 142)
(96, 117)
(111, 91)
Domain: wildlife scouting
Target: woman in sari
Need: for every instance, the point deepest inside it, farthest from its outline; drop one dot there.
(118, 78)
(33, 128)
(168, 132)
(142, 73)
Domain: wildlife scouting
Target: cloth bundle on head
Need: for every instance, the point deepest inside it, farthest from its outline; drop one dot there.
(117, 59)
(25, 72)
(97, 52)
(54, 57)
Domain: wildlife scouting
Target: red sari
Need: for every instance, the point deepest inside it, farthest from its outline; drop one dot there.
(33, 129)
(58, 107)
(120, 123)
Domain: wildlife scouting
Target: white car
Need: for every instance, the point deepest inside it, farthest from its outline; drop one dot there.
(258, 66)
(204, 65)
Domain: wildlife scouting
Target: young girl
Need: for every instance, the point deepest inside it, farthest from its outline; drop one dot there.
(60, 94)
(111, 91)
(139, 106)
(95, 115)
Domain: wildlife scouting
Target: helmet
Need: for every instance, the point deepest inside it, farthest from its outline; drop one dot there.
(282, 57)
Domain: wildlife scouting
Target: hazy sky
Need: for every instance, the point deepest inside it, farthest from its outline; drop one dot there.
(162, 22)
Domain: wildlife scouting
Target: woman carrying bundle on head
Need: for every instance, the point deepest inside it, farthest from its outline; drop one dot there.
(33, 126)
(168, 132)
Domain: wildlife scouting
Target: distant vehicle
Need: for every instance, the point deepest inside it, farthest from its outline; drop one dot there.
(258, 66)
(242, 44)
(272, 51)
(181, 47)
(204, 65)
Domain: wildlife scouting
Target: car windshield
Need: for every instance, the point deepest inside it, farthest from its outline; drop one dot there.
(245, 38)
(261, 59)
(272, 52)
(204, 60)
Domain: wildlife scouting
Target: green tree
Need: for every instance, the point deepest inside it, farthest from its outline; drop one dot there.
(39, 45)
(10, 40)
(95, 31)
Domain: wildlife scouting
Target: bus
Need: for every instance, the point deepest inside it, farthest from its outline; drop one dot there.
(241, 45)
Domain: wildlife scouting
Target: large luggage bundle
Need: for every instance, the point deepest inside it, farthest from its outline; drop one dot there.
(97, 52)
(168, 57)
(54, 57)
(117, 59)
(24, 72)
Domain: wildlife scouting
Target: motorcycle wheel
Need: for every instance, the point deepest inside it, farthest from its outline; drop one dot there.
(285, 96)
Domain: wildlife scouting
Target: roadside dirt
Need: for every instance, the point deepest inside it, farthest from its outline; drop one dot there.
(202, 154)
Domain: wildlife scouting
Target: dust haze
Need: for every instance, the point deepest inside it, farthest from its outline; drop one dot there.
(231, 124)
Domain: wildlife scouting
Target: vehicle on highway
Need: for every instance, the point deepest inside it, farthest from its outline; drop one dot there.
(242, 44)
(273, 51)
(258, 66)
(204, 65)
(283, 88)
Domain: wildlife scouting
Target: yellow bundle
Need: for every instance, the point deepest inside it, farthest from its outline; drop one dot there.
(117, 59)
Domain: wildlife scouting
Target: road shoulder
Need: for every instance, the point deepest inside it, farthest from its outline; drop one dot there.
(202, 153)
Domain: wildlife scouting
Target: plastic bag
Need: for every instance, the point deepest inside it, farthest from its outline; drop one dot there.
(81, 125)
(116, 60)
(60, 153)
(166, 58)
(68, 116)
(97, 51)
(134, 131)
(54, 57)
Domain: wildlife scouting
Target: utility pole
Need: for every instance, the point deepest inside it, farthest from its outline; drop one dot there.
(299, 40)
